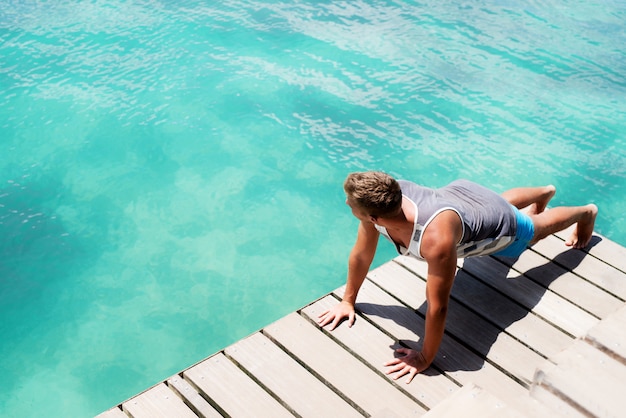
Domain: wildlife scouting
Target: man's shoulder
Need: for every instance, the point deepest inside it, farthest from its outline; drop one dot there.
(443, 232)
(409, 187)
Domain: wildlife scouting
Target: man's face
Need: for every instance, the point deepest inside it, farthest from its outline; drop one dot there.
(358, 212)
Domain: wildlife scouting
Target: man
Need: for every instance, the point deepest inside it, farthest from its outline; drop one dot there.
(461, 219)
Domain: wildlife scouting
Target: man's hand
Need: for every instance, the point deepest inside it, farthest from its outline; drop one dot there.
(412, 363)
(336, 314)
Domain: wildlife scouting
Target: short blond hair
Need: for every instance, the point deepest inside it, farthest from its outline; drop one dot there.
(375, 192)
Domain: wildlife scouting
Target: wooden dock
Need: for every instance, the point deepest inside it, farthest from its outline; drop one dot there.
(545, 336)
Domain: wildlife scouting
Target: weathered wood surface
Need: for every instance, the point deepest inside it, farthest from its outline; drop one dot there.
(541, 335)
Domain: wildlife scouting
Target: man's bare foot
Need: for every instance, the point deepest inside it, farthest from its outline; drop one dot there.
(581, 236)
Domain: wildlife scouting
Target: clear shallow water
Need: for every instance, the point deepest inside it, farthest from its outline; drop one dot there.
(170, 173)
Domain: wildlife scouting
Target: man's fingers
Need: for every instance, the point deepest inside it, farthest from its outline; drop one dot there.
(323, 320)
(335, 323)
(401, 371)
(334, 317)
(397, 367)
(412, 374)
(402, 366)
(323, 313)
(392, 362)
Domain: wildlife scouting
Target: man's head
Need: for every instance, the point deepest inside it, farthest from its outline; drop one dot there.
(373, 193)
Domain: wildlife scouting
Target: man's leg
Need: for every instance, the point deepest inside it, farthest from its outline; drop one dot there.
(559, 218)
(535, 198)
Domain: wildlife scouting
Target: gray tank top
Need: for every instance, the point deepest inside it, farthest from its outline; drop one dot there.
(489, 222)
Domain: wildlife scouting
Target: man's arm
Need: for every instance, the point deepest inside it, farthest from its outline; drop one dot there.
(441, 258)
(439, 250)
(359, 262)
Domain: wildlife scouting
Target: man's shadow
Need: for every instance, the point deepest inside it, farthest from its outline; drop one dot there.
(468, 280)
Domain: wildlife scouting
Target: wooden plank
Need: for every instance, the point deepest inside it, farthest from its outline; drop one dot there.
(291, 382)
(376, 348)
(223, 382)
(473, 401)
(536, 298)
(602, 248)
(112, 413)
(610, 335)
(588, 378)
(308, 371)
(560, 406)
(454, 359)
(488, 340)
(574, 288)
(341, 369)
(192, 398)
(528, 328)
(157, 402)
(590, 268)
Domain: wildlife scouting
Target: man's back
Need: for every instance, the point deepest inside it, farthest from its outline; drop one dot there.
(488, 220)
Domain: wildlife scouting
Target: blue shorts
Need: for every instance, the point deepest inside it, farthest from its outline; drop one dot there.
(523, 235)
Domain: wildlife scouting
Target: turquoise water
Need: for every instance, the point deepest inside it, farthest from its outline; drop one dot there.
(170, 172)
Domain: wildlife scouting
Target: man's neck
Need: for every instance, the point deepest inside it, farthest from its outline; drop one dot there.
(403, 219)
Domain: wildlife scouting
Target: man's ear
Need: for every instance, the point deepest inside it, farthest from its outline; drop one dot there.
(374, 219)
